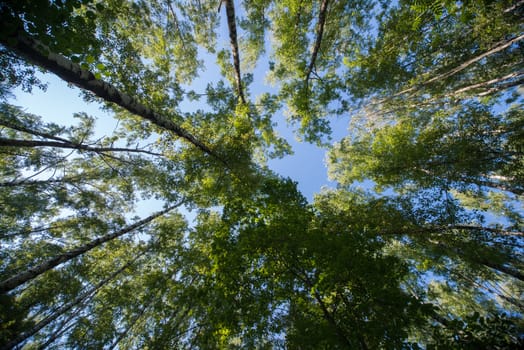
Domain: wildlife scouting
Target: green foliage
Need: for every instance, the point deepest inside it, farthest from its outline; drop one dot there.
(477, 332)
(429, 256)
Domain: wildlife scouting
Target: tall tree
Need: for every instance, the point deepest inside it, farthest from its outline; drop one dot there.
(429, 255)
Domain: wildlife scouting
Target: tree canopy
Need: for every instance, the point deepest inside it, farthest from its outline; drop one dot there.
(419, 246)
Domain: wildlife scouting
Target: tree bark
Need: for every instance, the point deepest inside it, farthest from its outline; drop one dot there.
(34, 52)
(23, 277)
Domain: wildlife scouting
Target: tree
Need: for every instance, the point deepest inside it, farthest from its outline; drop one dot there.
(430, 257)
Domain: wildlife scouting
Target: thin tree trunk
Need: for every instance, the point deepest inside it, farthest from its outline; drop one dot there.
(34, 52)
(231, 23)
(500, 294)
(518, 81)
(27, 182)
(502, 87)
(124, 334)
(331, 320)
(504, 269)
(318, 40)
(464, 65)
(4, 142)
(61, 330)
(78, 301)
(8, 123)
(177, 25)
(499, 186)
(440, 229)
(23, 277)
(516, 5)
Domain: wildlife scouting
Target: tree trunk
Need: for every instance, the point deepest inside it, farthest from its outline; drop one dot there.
(517, 76)
(302, 275)
(77, 302)
(482, 228)
(124, 334)
(64, 327)
(501, 186)
(28, 182)
(504, 269)
(464, 65)
(23, 277)
(482, 261)
(231, 23)
(35, 52)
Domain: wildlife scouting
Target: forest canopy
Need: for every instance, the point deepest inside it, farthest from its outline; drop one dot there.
(419, 246)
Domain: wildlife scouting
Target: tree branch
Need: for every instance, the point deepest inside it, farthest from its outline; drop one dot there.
(318, 40)
(4, 142)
